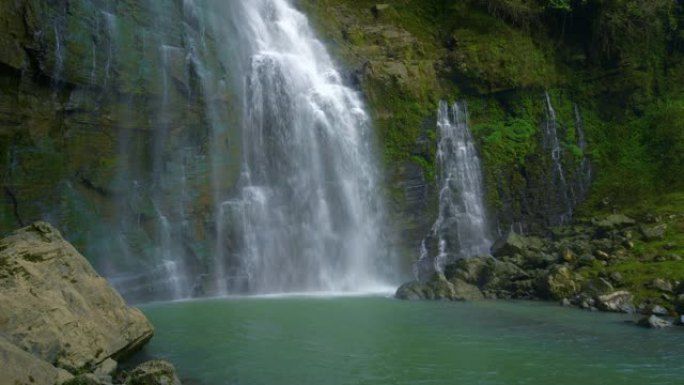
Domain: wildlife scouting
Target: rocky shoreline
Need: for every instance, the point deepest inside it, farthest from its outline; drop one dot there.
(61, 323)
(611, 263)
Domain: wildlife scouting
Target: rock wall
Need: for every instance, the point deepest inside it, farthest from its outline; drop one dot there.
(107, 129)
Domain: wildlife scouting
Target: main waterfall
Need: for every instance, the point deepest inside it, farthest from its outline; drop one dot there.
(307, 214)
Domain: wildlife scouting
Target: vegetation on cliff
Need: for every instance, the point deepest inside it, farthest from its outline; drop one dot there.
(616, 65)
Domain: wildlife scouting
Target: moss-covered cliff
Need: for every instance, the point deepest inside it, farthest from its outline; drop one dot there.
(98, 99)
(106, 129)
(613, 70)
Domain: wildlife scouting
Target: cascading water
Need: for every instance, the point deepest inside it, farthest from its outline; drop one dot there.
(558, 179)
(461, 229)
(584, 170)
(307, 215)
(206, 148)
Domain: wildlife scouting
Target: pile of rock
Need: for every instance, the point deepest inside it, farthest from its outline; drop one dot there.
(60, 322)
(555, 268)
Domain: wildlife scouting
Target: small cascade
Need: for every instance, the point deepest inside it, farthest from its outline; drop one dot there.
(461, 229)
(551, 143)
(113, 33)
(584, 170)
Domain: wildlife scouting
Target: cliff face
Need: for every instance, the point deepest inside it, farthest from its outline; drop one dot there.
(117, 121)
(562, 96)
(105, 127)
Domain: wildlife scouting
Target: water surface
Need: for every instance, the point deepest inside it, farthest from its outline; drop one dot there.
(375, 340)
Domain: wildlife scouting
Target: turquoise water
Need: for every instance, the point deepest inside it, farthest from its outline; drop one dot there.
(373, 340)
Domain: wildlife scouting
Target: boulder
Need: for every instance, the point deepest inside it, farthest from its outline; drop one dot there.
(662, 285)
(486, 273)
(469, 269)
(89, 379)
(509, 245)
(654, 322)
(613, 222)
(440, 289)
(18, 367)
(464, 291)
(411, 291)
(557, 284)
(659, 310)
(620, 301)
(155, 372)
(596, 286)
(54, 305)
(653, 233)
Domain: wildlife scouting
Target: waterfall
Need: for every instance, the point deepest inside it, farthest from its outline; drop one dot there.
(307, 215)
(207, 148)
(461, 229)
(584, 170)
(564, 191)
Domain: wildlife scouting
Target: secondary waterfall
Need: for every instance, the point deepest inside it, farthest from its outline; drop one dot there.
(461, 229)
(307, 214)
(551, 143)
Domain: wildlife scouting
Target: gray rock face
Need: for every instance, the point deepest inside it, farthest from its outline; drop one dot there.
(155, 372)
(55, 306)
(18, 367)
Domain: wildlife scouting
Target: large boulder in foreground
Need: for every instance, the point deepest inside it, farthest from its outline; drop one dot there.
(55, 306)
(18, 367)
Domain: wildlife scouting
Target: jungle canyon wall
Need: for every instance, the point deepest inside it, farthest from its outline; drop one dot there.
(117, 117)
(565, 98)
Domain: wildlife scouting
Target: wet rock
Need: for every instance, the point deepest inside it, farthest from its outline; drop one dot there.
(659, 310)
(470, 270)
(411, 291)
(619, 301)
(453, 290)
(654, 322)
(54, 305)
(155, 372)
(440, 289)
(487, 273)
